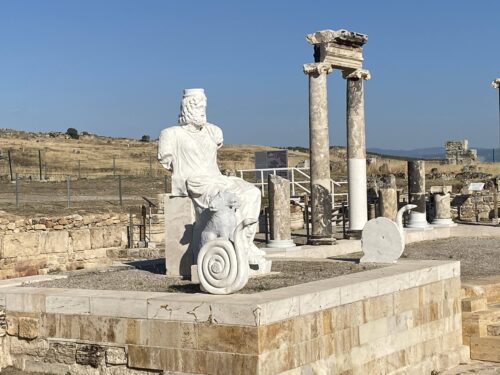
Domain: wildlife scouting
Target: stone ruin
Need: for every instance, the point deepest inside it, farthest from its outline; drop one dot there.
(458, 152)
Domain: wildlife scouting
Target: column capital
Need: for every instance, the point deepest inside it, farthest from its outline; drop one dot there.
(357, 74)
(495, 83)
(317, 68)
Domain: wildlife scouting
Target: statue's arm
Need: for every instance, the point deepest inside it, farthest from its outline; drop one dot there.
(218, 136)
(165, 151)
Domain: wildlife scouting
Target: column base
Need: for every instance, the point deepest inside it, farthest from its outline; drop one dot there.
(443, 223)
(417, 220)
(280, 244)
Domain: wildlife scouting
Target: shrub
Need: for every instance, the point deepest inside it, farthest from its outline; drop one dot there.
(73, 133)
(145, 138)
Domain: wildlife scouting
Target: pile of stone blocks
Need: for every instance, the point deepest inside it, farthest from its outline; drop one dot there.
(481, 318)
(401, 319)
(458, 152)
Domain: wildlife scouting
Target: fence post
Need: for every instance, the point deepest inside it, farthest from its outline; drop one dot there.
(40, 163)
(120, 189)
(10, 165)
(68, 190)
(293, 182)
(262, 183)
(131, 230)
(17, 190)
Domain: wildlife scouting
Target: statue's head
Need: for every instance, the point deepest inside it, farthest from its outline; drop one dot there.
(193, 107)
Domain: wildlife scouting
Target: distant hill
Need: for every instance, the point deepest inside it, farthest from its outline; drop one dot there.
(484, 154)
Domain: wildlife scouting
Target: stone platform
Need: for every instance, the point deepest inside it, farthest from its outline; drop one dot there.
(404, 318)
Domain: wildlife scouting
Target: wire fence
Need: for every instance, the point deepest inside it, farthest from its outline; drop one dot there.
(72, 192)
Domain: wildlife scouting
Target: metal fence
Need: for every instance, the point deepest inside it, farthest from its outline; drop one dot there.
(71, 191)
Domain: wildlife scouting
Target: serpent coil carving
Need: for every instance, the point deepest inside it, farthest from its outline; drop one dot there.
(223, 267)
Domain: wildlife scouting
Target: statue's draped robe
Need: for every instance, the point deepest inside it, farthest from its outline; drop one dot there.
(191, 154)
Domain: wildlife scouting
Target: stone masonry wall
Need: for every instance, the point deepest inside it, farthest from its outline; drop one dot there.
(45, 245)
(404, 319)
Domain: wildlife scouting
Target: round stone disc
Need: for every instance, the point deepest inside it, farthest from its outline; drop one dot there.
(381, 241)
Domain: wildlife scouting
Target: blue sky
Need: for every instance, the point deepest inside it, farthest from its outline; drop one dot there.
(118, 67)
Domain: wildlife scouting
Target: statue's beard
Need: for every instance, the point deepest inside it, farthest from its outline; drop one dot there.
(195, 119)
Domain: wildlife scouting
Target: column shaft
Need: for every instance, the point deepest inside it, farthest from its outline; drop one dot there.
(416, 194)
(356, 154)
(321, 199)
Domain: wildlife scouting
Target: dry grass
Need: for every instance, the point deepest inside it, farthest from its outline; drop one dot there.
(93, 155)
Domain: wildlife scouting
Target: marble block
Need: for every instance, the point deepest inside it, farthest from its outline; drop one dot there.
(179, 221)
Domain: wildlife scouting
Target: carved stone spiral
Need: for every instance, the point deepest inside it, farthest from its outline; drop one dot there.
(222, 267)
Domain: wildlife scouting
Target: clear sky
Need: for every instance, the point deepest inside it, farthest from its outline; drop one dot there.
(118, 67)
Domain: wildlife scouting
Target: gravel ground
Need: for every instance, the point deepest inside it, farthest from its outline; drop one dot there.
(479, 257)
(149, 276)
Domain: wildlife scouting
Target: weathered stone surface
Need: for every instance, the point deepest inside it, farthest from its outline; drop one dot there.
(179, 220)
(388, 203)
(20, 245)
(28, 328)
(356, 149)
(61, 352)
(54, 242)
(80, 239)
(321, 205)
(116, 356)
(279, 212)
(416, 194)
(90, 355)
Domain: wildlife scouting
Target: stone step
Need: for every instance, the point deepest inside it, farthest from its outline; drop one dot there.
(493, 329)
(473, 304)
(485, 348)
(488, 287)
(489, 316)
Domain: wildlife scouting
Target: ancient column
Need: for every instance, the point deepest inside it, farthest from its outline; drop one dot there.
(442, 210)
(356, 148)
(388, 198)
(279, 212)
(496, 85)
(388, 203)
(319, 149)
(416, 194)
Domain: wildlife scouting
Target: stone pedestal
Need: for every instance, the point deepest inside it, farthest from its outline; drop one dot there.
(279, 212)
(388, 203)
(356, 149)
(416, 194)
(442, 210)
(321, 199)
(179, 222)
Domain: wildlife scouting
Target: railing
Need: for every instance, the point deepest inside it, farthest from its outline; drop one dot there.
(299, 181)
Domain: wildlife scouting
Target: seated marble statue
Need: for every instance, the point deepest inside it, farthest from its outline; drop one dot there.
(189, 150)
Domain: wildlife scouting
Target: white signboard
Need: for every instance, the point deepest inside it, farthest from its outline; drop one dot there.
(476, 186)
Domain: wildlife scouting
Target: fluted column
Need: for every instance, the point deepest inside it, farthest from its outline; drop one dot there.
(319, 149)
(356, 148)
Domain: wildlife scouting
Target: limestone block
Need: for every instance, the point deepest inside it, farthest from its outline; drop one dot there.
(80, 239)
(373, 330)
(61, 352)
(116, 356)
(473, 304)
(89, 355)
(28, 328)
(54, 242)
(179, 220)
(37, 347)
(58, 304)
(20, 244)
(119, 306)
